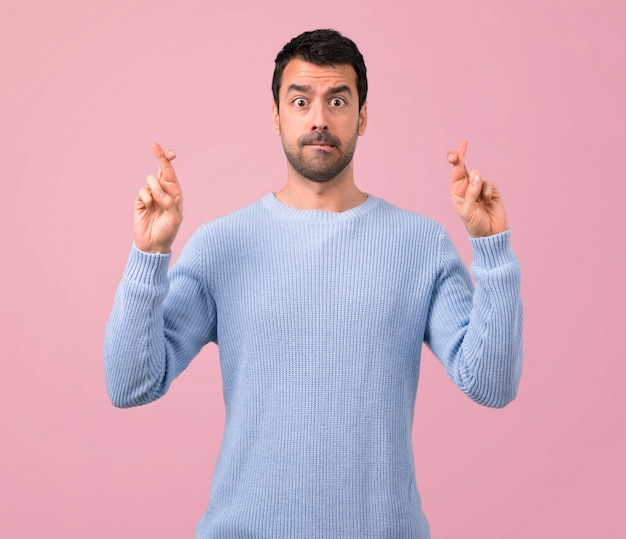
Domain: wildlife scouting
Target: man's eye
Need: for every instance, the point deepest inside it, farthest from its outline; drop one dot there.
(300, 102)
(337, 102)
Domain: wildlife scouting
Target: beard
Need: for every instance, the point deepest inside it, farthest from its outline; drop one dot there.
(323, 165)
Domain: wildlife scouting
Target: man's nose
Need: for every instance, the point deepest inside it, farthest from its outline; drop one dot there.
(319, 117)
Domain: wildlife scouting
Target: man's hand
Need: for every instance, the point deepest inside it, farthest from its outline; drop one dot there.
(476, 200)
(159, 206)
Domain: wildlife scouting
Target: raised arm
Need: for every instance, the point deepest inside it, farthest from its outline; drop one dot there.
(159, 320)
(476, 332)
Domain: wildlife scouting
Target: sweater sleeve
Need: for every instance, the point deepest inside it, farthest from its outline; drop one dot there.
(477, 332)
(159, 322)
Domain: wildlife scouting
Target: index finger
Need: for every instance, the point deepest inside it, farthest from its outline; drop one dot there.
(166, 170)
(457, 159)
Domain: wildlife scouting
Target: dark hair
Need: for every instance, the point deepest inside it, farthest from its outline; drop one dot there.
(322, 48)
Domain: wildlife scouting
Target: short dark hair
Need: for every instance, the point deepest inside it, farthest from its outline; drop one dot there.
(323, 48)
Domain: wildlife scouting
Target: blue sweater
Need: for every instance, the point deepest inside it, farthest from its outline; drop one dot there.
(320, 319)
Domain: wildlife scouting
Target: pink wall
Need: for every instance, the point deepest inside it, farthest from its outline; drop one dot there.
(537, 88)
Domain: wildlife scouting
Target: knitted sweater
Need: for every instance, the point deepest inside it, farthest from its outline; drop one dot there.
(320, 319)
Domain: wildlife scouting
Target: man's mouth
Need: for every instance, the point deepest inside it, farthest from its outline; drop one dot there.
(323, 141)
(320, 145)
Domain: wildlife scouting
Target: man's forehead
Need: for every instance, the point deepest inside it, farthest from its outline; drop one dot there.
(298, 72)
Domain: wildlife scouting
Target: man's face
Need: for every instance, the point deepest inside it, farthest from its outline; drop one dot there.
(319, 118)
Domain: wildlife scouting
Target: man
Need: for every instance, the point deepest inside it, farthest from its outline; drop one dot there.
(319, 297)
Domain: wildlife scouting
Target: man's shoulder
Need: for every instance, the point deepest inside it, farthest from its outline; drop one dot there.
(247, 215)
(410, 219)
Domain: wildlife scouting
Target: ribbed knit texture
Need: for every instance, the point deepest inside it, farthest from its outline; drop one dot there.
(320, 319)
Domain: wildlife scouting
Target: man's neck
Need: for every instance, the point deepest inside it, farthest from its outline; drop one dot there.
(336, 195)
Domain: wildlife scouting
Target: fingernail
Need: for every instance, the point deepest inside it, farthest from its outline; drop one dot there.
(450, 156)
(158, 193)
(475, 179)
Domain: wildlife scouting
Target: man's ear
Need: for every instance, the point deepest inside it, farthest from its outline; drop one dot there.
(275, 118)
(363, 119)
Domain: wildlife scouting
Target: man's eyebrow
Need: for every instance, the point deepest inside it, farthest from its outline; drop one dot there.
(298, 88)
(305, 88)
(340, 89)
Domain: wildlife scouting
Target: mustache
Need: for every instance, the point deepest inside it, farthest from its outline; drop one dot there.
(319, 137)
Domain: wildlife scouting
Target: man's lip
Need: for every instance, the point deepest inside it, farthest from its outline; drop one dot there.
(323, 145)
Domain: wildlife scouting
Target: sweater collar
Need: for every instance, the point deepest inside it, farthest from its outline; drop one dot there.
(287, 212)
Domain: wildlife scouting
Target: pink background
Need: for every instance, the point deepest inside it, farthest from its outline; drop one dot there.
(537, 88)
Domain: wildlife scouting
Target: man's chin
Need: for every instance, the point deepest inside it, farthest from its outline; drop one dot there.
(320, 175)
(319, 165)
(319, 179)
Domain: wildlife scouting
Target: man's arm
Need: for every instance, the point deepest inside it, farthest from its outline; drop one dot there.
(159, 322)
(477, 333)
